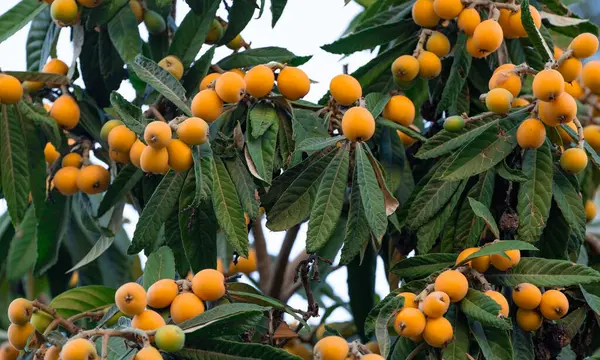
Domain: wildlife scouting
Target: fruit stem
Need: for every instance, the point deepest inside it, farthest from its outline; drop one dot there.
(524, 69)
(58, 320)
(554, 64)
(579, 133)
(105, 347)
(154, 111)
(510, 5)
(416, 351)
(425, 33)
(216, 68)
(428, 289)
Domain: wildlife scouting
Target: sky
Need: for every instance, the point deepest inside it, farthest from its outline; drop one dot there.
(304, 26)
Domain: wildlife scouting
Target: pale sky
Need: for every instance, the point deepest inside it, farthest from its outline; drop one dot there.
(303, 28)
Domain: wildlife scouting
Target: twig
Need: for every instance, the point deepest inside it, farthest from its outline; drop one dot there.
(509, 6)
(264, 261)
(562, 58)
(58, 320)
(154, 111)
(416, 351)
(88, 314)
(282, 261)
(425, 33)
(594, 243)
(105, 347)
(579, 133)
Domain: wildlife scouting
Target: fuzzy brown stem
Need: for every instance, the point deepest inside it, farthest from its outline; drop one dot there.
(282, 261)
(510, 6)
(579, 133)
(263, 259)
(425, 33)
(58, 320)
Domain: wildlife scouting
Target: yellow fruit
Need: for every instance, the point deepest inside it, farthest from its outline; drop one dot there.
(574, 89)
(531, 134)
(500, 300)
(78, 349)
(55, 66)
(435, 304)
(11, 90)
(570, 69)
(90, 3)
(504, 21)
(590, 210)
(527, 296)
(154, 22)
(516, 23)
(32, 86)
(19, 334)
(488, 36)
(121, 139)
(372, 357)
(207, 105)
(557, 52)
(119, 157)
(93, 179)
(155, 161)
(407, 140)
(504, 78)
(147, 320)
(438, 44)
(519, 102)
(501, 263)
(345, 89)
(259, 81)
(138, 10)
(20, 311)
(566, 138)
(131, 298)
(447, 9)
(173, 65)
(170, 338)
(186, 306)
(40, 321)
(215, 33)
(65, 111)
(474, 51)
(358, 124)
(400, 109)
(230, 87)
(554, 305)
(405, 68)
(135, 153)
(529, 320)
(236, 43)
(590, 76)
(240, 72)
(161, 293)
(209, 285)
(438, 332)
(107, 128)
(65, 180)
(64, 12)
(573, 160)
(560, 111)
(548, 85)
(157, 134)
(468, 20)
(8, 352)
(332, 348)
(148, 353)
(453, 283)
(499, 100)
(584, 45)
(72, 159)
(180, 156)
(424, 15)
(245, 265)
(409, 299)
(52, 353)
(193, 131)
(430, 65)
(208, 79)
(481, 263)
(409, 322)
(293, 83)
(373, 346)
(296, 347)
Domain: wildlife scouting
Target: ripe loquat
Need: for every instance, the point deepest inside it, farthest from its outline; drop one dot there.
(453, 283)
(474, 51)
(72, 159)
(293, 83)
(173, 65)
(20, 311)
(501, 263)
(119, 157)
(207, 80)
(438, 332)
(438, 44)
(500, 300)
(230, 87)
(372, 357)
(55, 66)
(209, 285)
(488, 36)
(345, 89)
(180, 156)
(566, 138)
(373, 346)
(468, 19)
(573, 160)
(19, 334)
(590, 76)
(135, 153)
(435, 304)
(65, 180)
(64, 12)
(447, 9)
(148, 353)
(520, 102)
(161, 293)
(130, 298)
(170, 338)
(11, 90)
(481, 263)
(409, 299)
(207, 105)
(90, 4)
(504, 22)
(78, 349)
(66, 112)
(157, 134)
(584, 45)
(527, 296)
(8, 352)
(548, 85)
(147, 320)
(154, 22)
(570, 69)
(531, 134)
(560, 111)
(499, 100)
(120, 138)
(193, 131)
(332, 348)
(591, 210)
(155, 161)
(138, 10)
(52, 353)
(409, 322)
(516, 23)
(424, 15)
(430, 65)
(400, 109)
(505, 78)
(259, 81)
(405, 68)
(245, 265)
(108, 126)
(407, 140)
(574, 89)
(554, 305)
(93, 179)
(529, 320)
(186, 306)
(358, 124)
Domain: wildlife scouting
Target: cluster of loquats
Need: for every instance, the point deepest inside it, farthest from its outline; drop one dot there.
(76, 173)
(337, 348)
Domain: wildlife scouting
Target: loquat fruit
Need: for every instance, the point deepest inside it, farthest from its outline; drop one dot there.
(409, 300)
(453, 283)
(238, 71)
(65, 180)
(180, 156)
(345, 89)
(8, 352)
(259, 81)
(500, 300)
(236, 43)
(161, 293)
(52, 353)
(154, 22)
(430, 65)
(32, 86)
(121, 139)
(55, 66)
(19, 334)
(66, 112)
(405, 68)
(488, 36)
(400, 109)
(468, 19)
(135, 153)
(591, 210)
(481, 263)
(504, 22)
(193, 131)
(20, 311)
(295, 347)
(11, 90)
(499, 100)
(157, 134)
(207, 105)
(373, 346)
(332, 348)
(72, 159)
(531, 134)
(570, 69)
(147, 320)
(447, 9)
(245, 265)
(131, 299)
(155, 161)
(529, 320)
(424, 15)
(358, 124)
(554, 305)
(215, 33)
(573, 160)
(435, 304)
(409, 322)
(501, 263)
(566, 138)
(148, 353)
(474, 51)
(230, 87)
(557, 52)
(505, 78)
(438, 44)
(548, 84)
(560, 111)
(516, 23)
(172, 65)
(170, 338)
(438, 332)
(293, 83)
(527, 296)
(207, 80)
(407, 141)
(454, 123)
(584, 45)
(372, 357)
(93, 179)
(590, 76)
(90, 4)
(64, 12)
(40, 321)
(78, 349)
(138, 10)
(520, 102)
(119, 157)
(209, 285)
(574, 89)
(186, 306)
(108, 126)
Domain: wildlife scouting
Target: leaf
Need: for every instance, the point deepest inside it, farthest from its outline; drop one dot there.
(499, 247)
(257, 298)
(313, 144)
(51, 229)
(510, 174)
(545, 272)
(381, 327)
(371, 195)
(533, 33)
(458, 348)
(97, 250)
(162, 81)
(261, 117)
(328, 201)
(157, 210)
(277, 7)
(160, 265)
(102, 14)
(262, 148)
(590, 294)
(123, 32)
(82, 299)
(569, 202)
(376, 102)
(568, 25)
(494, 343)
(370, 37)
(361, 288)
(240, 14)
(535, 194)
(408, 131)
(228, 209)
(245, 187)
(18, 16)
(117, 348)
(357, 229)
(197, 72)
(22, 252)
(522, 344)
(230, 350)
(202, 155)
(42, 30)
(554, 242)
(41, 119)
(128, 113)
(480, 307)
(257, 56)
(190, 35)
(458, 75)
(217, 314)
(402, 349)
(125, 180)
(483, 212)
(421, 266)
(573, 321)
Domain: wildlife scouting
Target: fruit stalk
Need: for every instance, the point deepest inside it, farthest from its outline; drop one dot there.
(510, 5)
(579, 133)
(58, 320)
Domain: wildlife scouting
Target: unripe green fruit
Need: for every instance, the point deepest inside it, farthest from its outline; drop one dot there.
(169, 338)
(215, 33)
(40, 321)
(108, 126)
(154, 22)
(454, 123)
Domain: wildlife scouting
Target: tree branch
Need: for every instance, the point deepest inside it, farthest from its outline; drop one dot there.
(282, 261)
(263, 259)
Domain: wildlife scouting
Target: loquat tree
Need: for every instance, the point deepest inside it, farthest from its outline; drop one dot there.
(464, 154)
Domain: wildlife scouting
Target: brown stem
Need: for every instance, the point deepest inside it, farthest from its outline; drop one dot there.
(292, 286)
(105, 347)
(263, 259)
(497, 5)
(282, 261)
(217, 69)
(154, 111)
(58, 320)
(594, 243)
(579, 133)
(88, 314)
(425, 33)
(416, 351)
(562, 58)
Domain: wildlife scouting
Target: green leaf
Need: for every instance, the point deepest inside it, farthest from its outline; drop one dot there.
(257, 298)
(41, 119)
(522, 344)
(483, 212)
(18, 16)
(240, 14)
(192, 31)
(328, 201)
(313, 144)
(261, 117)
(510, 174)
(376, 102)
(554, 242)
(202, 155)
(545, 272)
(494, 343)
(128, 113)
(277, 7)
(22, 253)
(228, 209)
(162, 81)
(590, 294)
(370, 37)
(357, 229)
(458, 348)
(480, 307)
(361, 288)
(116, 348)
(499, 248)
(244, 185)
(230, 350)
(371, 194)
(261, 149)
(82, 299)
(535, 195)
(217, 314)
(95, 252)
(458, 75)
(15, 168)
(257, 56)
(573, 321)
(123, 32)
(157, 210)
(197, 72)
(381, 327)
(421, 266)
(160, 265)
(570, 26)
(569, 202)
(101, 15)
(41, 32)
(126, 179)
(408, 131)
(51, 229)
(402, 349)
(533, 33)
